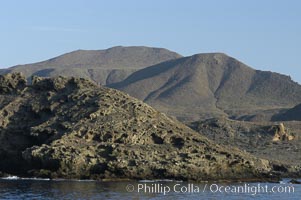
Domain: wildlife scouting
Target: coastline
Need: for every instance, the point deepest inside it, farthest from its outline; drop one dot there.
(238, 180)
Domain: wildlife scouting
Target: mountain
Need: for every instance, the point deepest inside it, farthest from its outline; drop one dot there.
(102, 66)
(190, 88)
(209, 85)
(72, 128)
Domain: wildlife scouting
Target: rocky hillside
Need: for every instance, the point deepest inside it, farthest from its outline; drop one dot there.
(280, 142)
(72, 128)
(209, 85)
(102, 66)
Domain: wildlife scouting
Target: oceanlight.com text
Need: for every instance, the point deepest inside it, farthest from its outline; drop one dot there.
(252, 189)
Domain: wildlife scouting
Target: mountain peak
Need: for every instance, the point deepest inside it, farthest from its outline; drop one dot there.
(209, 85)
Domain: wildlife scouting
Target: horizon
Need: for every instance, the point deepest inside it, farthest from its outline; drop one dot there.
(263, 35)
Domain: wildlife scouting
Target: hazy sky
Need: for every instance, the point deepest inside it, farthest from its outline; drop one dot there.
(265, 34)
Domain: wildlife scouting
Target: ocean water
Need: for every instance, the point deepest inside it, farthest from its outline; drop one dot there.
(17, 188)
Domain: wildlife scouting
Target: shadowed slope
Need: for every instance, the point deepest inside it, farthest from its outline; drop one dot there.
(293, 114)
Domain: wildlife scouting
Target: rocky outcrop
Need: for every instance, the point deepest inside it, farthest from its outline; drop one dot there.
(12, 83)
(72, 128)
(281, 134)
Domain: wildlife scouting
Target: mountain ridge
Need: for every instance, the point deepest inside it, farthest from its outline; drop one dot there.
(195, 87)
(103, 66)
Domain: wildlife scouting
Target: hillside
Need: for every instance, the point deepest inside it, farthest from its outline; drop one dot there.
(210, 85)
(102, 66)
(72, 128)
(258, 138)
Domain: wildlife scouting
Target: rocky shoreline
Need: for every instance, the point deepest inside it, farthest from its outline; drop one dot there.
(6, 176)
(292, 180)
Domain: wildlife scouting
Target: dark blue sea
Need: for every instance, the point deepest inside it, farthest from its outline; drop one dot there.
(17, 188)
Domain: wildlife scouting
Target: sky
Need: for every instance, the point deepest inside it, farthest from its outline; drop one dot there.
(264, 34)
